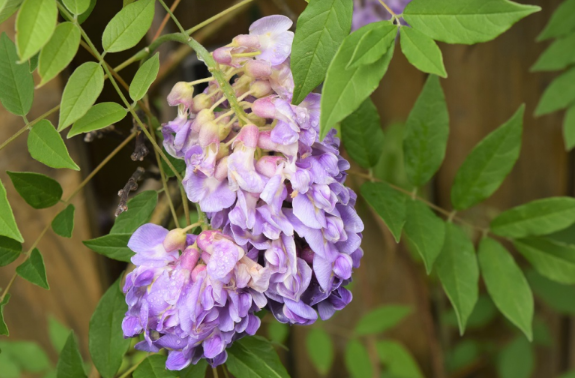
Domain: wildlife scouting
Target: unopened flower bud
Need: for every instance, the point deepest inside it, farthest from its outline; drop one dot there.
(221, 171)
(196, 272)
(223, 55)
(242, 84)
(258, 69)
(201, 102)
(342, 266)
(175, 240)
(264, 107)
(181, 93)
(248, 136)
(258, 121)
(246, 40)
(190, 257)
(261, 88)
(267, 165)
(209, 134)
(224, 130)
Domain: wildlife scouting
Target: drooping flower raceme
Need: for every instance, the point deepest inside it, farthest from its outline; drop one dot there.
(275, 192)
(368, 11)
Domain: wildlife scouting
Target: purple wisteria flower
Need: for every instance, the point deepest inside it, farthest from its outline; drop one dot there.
(289, 236)
(368, 11)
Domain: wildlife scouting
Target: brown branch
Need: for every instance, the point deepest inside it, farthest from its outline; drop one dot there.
(165, 20)
(131, 185)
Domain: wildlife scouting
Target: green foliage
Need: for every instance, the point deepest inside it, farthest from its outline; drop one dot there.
(70, 364)
(485, 168)
(422, 52)
(77, 7)
(33, 270)
(555, 295)
(10, 249)
(144, 77)
(8, 8)
(80, 93)
(179, 164)
(321, 28)
(98, 117)
(426, 133)
(59, 51)
(373, 45)
(561, 23)
(154, 367)
(58, 333)
(16, 80)
(254, 357)
(465, 21)
(357, 360)
(195, 371)
(560, 94)
(362, 135)
(381, 319)
(129, 26)
(3, 327)
(345, 89)
(507, 285)
(551, 259)
(140, 209)
(538, 217)
(399, 362)
(29, 356)
(388, 203)
(569, 128)
(425, 231)
(483, 313)
(516, 360)
(558, 55)
(8, 226)
(46, 145)
(63, 223)
(34, 26)
(320, 350)
(391, 165)
(39, 191)
(463, 354)
(114, 246)
(106, 343)
(278, 332)
(458, 271)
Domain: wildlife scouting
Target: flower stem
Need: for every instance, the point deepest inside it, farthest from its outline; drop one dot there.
(165, 20)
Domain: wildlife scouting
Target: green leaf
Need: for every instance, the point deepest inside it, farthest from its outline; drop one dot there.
(425, 231)
(516, 360)
(34, 62)
(195, 371)
(59, 51)
(58, 333)
(560, 94)
(569, 128)
(422, 52)
(391, 165)
(426, 133)
(16, 80)
(539, 217)
(321, 28)
(70, 364)
(507, 285)
(154, 367)
(254, 357)
(381, 319)
(8, 225)
(346, 89)
(562, 21)
(388, 203)
(98, 117)
(10, 249)
(3, 327)
(373, 45)
(87, 13)
(570, 374)
(465, 21)
(558, 56)
(39, 191)
(46, 145)
(551, 259)
(362, 135)
(107, 343)
(77, 7)
(278, 332)
(485, 168)
(8, 8)
(27, 355)
(35, 24)
(144, 77)
(129, 26)
(320, 350)
(464, 354)
(555, 295)
(33, 270)
(483, 313)
(179, 164)
(140, 209)
(10, 369)
(458, 272)
(63, 223)
(398, 360)
(81, 92)
(357, 360)
(565, 236)
(114, 246)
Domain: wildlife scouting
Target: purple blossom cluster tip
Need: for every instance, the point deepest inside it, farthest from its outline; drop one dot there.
(289, 235)
(368, 11)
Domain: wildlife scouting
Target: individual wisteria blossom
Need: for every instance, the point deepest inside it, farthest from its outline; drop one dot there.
(368, 11)
(274, 191)
(191, 295)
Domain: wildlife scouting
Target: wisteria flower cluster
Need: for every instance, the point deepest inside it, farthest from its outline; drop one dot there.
(284, 232)
(368, 11)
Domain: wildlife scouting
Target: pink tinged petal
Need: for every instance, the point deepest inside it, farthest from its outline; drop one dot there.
(223, 55)
(284, 134)
(181, 93)
(271, 24)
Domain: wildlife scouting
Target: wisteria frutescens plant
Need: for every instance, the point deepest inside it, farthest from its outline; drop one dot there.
(285, 232)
